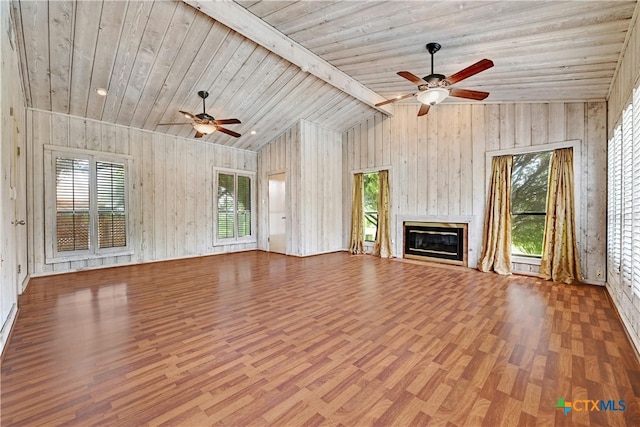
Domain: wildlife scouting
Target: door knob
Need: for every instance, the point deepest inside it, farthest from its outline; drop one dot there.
(19, 222)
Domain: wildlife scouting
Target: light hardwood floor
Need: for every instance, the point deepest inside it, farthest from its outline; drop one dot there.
(263, 339)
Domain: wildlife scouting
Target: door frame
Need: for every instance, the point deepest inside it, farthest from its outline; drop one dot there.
(269, 175)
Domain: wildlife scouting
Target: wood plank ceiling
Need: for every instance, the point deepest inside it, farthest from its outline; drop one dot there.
(153, 57)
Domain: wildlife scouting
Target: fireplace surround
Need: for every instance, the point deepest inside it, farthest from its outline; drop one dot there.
(436, 241)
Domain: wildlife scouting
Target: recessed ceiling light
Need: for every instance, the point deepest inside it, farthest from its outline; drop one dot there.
(102, 91)
(253, 132)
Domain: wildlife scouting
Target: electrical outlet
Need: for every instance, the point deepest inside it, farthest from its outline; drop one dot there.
(599, 274)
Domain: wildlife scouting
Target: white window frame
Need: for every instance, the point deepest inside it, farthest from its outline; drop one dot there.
(576, 145)
(52, 255)
(252, 238)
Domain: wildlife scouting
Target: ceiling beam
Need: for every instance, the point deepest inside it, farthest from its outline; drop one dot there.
(244, 22)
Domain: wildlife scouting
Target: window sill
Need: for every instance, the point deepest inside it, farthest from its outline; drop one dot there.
(225, 242)
(86, 256)
(525, 260)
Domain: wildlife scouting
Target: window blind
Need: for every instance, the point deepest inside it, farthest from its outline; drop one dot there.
(73, 221)
(110, 189)
(636, 191)
(244, 206)
(226, 205)
(627, 197)
(615, 197)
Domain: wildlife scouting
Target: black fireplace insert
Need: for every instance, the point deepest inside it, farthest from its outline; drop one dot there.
(442, 242)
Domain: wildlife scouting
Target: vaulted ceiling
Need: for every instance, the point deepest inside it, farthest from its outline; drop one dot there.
(271, 63)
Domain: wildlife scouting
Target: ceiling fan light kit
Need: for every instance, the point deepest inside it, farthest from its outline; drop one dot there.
(205, 124)
(204, 128)
(435, 88)
(433, 96)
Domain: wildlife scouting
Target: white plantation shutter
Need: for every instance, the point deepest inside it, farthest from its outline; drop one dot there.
(635, 236)
(614, 195)
(627, 197)
(72, 204)
(244, 206)
(235, 202)
(110, 188)
(226, 203)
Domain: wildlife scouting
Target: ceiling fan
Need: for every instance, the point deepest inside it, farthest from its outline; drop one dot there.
(205, 124)
(434, 88)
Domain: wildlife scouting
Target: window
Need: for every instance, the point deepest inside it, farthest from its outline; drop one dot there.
(234, 207)
(89, 200)
(529, 182)
(370, 200)
(623, 211)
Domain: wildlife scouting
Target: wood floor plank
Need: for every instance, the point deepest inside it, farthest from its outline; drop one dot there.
(257, 339)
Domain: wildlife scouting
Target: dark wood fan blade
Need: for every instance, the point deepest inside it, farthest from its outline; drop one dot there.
(471, 70)
(228, 132)
(411, 77)
(398, 98)
(198, 135)
(424, 109)
(226, 121)
(469, 94)
(188, 114)
(172, 124)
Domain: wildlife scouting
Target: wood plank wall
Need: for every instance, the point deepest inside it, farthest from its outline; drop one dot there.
(628, 77)
(13, 247)
(171, 182)
(311, 157)
(438, 163)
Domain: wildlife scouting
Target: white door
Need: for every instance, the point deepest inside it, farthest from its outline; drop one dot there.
(8, 276)
(277, 214)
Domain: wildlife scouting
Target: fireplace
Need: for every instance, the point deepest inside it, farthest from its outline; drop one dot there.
(440, 242)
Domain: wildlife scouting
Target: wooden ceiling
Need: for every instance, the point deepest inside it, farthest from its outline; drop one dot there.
(154, 56)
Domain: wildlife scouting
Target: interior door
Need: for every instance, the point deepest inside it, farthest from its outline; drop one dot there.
(8, 277)
(277, 214)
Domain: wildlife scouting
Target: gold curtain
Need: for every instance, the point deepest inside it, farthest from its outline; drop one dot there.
(496, 241)
(382, 246)
(560, 260)
(356, 243)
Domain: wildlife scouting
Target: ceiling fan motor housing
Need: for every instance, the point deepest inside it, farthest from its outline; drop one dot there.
(433, 79)
(204, 116)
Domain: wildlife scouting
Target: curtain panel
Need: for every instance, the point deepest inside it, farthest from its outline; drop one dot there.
(496, 240)
(356, 242)
(560, 258)
(382, 246)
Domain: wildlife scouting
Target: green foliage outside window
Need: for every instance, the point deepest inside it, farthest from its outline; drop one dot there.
(371, 186)
(529, 183)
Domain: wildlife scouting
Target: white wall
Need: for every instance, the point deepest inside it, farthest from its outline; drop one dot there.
(626, 302)
(12, 176)
(171, 204)
(311, 157)
(438, 163)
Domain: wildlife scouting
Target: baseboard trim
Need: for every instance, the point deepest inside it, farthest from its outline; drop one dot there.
(7, 329)
(635, 343)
